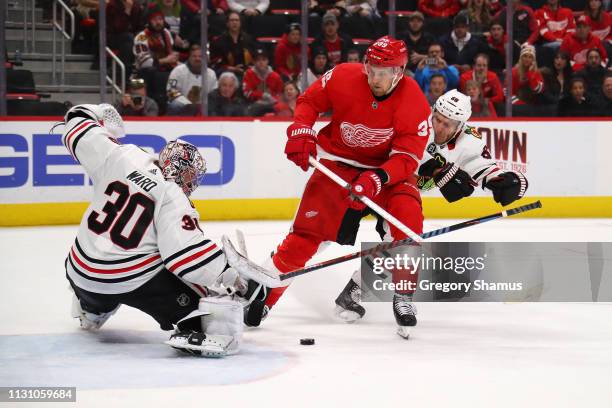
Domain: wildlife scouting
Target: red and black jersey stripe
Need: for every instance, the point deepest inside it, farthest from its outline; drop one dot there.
(111, 280)
(192, 257)
(75, 134)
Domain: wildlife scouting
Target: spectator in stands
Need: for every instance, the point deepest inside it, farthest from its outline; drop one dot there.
(600, 21)
(593, 72)
(190, 19)
(261, 86)
(135, 101)
(286, 105)
(226, 99)
(185, 84)
(490, 86)
(417, 40)
(352, 55)
(362, 19)
(460, 46)
(155, 57)
(497, 46)
(439, 8)
(319, 66)
(478, 14)
(249, 7)
(123, 22)
(437, 87)
(481, 107)
(524, 23)
(171, 9)
(288, 53)
(554, 23)
(557, 78)
(435, 64)
(320, 62)
(362, 8)
(321, 7)
(604, 103)
(172, 14)
(86, 27)
(336, 43)
(527, 81)
(233, 50)
(578, 102)
(578, 43)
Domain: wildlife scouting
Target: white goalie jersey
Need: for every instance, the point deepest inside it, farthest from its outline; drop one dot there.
(468, 151)
(138, 224)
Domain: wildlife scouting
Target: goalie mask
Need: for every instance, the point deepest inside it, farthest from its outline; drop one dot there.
(182, 163)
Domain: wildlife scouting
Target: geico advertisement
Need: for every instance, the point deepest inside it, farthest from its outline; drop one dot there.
(246, 160)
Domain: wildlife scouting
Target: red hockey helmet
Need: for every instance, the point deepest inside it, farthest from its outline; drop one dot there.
(387, 52)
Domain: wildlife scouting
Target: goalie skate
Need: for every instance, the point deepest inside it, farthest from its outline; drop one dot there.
(200, 344)
(348, 308)
(88, 320)
(405, 314)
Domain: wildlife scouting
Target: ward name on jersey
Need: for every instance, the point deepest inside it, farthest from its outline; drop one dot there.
(138, 224)
(467, 150)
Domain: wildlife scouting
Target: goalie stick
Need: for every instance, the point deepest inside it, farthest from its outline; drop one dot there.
(388, 245)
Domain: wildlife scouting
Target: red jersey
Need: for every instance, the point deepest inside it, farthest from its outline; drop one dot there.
(554, 24)
(254, 85)
(491, 88)
(601, 29)
(578, 50)
(365, 132)
(533, 81)
(439, 8)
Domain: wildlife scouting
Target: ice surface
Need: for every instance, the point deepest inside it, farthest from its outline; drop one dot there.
(460, 354)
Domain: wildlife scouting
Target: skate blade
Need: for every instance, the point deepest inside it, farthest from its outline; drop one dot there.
(347, 316)
(404, 331)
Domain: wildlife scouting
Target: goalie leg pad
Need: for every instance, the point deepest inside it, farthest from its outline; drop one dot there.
(224, 318)
(220, 328)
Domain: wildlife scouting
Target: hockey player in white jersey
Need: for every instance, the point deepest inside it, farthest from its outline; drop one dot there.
(456, 160)
(139, 242)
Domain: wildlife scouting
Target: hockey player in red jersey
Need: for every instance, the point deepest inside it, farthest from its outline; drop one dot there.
(378, 131)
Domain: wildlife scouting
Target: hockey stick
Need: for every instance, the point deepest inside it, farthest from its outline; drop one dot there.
(375, 207)
(434, 233)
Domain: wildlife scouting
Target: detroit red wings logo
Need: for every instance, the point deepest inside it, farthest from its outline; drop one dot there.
(363, 136)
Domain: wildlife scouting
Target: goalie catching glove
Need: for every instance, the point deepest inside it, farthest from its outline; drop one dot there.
(507, 187)
(104, 114)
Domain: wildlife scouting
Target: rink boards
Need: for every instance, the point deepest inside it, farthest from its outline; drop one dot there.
(248, 177)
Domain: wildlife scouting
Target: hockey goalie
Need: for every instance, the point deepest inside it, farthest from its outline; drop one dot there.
(139, 242)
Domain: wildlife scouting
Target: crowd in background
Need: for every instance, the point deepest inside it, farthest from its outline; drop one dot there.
(561, 64)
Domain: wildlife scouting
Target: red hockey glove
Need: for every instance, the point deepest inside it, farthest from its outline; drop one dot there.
(301, 143)
(367, 184)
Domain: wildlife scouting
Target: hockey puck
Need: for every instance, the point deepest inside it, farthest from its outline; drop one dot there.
(307, 342)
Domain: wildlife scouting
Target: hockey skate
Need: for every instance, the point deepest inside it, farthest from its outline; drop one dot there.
(347, 303)
(200, 344)
(88, 320)
(405, 314)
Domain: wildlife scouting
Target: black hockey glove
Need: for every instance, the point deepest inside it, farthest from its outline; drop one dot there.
(428, 168)
(454, 183)
(255, 310)
(507, 187)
